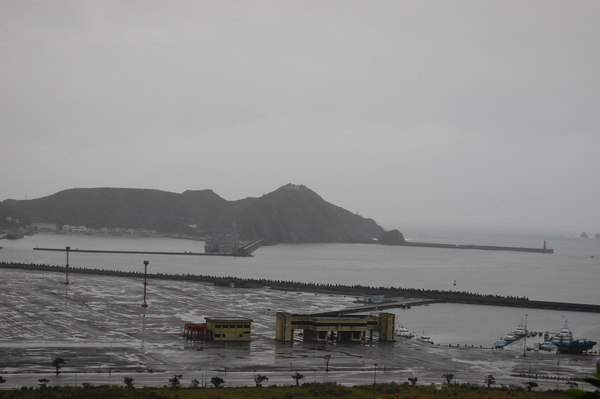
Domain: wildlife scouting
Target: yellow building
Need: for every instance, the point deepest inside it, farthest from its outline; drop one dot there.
(341, 328)
(228, 329)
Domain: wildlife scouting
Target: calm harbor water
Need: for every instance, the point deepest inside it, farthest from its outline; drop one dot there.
(571, 274)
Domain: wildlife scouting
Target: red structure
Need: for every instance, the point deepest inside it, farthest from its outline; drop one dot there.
(67, 268)
(195, 332)
(145, 304)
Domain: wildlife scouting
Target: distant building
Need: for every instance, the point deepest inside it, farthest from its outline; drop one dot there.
(373, 298)
(44, 226)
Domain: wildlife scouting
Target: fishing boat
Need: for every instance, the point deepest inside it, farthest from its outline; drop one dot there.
(574, 346)
(520, 332)
(565, 335)
(501, 343)
(510, 338)
(403, 332)
(547, 346)
(424, 338)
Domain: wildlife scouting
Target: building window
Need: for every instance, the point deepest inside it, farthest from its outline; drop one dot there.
(246, 325)
(217, 335)
(217, 326)
(239, 326)
(232, 326)
(241, 335)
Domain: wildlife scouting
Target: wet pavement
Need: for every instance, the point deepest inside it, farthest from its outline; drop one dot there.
(98, 326)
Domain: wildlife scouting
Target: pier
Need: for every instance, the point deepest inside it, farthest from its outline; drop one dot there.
(378, 307)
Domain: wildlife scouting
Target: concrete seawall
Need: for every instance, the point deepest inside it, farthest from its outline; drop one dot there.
(480, 247)
(101, 251)
(357, 290)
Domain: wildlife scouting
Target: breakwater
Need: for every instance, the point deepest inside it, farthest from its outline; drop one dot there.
(543, 250)
(355, 290)
(102, 251)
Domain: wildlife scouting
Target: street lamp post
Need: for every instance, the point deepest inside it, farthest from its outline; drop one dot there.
(110, 361)
(525, 338)
(374, 380)
(558, 376)
(67, 267)
(145, 304)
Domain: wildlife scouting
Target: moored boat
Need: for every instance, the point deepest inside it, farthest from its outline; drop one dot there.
(574, 346)
(403, 332)
(510, 338)
(547, 346)
(424, 338)
(222, 244)
(520, 332)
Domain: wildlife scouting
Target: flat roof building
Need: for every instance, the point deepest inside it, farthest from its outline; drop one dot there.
(332, 328)
(228, 329)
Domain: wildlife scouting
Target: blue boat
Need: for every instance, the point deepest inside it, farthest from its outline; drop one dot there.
(574, 346)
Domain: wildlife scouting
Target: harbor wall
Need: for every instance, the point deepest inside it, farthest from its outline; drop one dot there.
(355, 290)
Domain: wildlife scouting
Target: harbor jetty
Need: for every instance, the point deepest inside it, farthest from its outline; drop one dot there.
(427, 295)
(239, 252)
(395, 237)
(543, 250)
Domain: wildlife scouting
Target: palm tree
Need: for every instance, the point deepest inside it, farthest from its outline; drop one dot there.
(298, 377)
(449, 377)
(258, 379)
(217, 381)
(57, 362)
(529, 385)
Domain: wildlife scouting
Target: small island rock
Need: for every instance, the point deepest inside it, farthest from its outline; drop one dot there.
(392, 237)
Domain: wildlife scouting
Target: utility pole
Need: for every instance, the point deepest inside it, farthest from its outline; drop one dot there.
(67, 267)
(374, 380)
(145, 304)
(525, 338)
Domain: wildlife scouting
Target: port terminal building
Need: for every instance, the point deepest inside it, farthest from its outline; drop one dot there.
(331, 328)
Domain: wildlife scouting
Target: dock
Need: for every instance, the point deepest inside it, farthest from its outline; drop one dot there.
(378, 307)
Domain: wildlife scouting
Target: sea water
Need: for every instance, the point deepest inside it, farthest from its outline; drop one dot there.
(571, 274)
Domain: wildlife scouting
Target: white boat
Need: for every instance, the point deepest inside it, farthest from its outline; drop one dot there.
(520, 332)
(403, 332)
(564, 336)
(501, 343)
(424, 338)
(510, 338)
(547, 346)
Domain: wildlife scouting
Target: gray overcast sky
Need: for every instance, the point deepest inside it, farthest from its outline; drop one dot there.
(449, 113)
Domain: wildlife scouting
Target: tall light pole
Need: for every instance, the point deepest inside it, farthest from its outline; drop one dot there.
(110, 362)
(525, 338)
(67, 267)
(374, 380)
(558, 377)
(145, 304)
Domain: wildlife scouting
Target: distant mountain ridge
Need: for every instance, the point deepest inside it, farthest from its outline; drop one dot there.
(290, 214)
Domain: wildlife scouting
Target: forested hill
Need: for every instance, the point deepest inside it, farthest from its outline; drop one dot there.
(290, 214)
